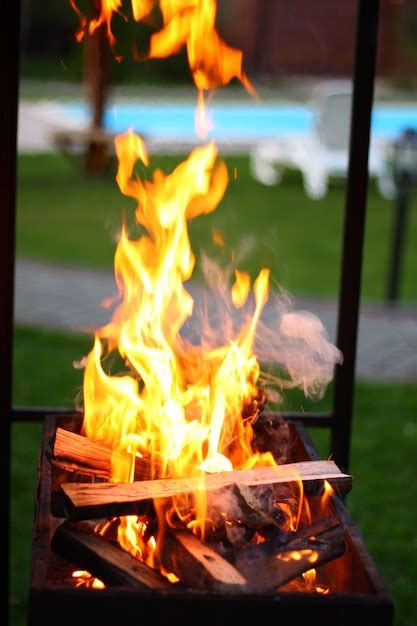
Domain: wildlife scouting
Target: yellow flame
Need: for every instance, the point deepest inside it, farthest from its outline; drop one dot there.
(240, 289)
(142, 8)
(212, 62)
(85, 579)
(105, 11)
(181, 404)
(190, 23)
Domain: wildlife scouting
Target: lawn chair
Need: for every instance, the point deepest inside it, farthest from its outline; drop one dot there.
(322, 153)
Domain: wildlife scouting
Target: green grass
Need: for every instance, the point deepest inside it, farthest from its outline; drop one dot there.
(68, 217)
(383, 502)
(43, 376)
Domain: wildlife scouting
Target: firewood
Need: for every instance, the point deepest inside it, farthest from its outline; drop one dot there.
(102, 500)
(260, 504)
(197, 565)
(267, 572)
(296, 540)
(75, 453)
(103, 559)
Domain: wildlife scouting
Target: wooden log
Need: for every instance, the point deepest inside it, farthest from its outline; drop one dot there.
(74, 453)
(197, 565)
(268, 572)
(101, 500)
(104, 560)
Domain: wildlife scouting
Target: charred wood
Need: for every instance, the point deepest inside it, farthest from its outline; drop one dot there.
(105, 560)
(197, 565)
(267, 572)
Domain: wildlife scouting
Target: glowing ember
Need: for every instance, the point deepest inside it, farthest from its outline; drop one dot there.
(85, 579)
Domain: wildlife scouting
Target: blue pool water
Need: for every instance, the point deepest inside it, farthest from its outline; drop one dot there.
(170, 121)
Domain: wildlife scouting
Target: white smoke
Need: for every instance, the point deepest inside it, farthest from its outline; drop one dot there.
(293, 344)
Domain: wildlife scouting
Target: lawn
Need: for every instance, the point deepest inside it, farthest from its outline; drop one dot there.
(68, 217)
(383, 502)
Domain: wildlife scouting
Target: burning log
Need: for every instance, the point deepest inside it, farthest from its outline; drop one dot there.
(197, 565)
(296, 540)
(98, 500)
(75, 453)
(103, 559)
(266, 570)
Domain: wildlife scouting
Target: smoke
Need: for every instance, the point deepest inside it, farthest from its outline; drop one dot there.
(292, 346)
(296, 343)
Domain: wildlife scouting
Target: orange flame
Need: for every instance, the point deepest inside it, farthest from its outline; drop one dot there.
(189, 23)
(105, 15)
(192, 23)
(85, 579)
(142, 8)
(180, 403)
(212, 62)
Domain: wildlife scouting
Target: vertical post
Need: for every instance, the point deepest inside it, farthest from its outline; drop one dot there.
(354, 226)
(9, 72)
(96, 77)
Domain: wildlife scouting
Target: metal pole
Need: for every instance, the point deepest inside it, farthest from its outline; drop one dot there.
(397, 251)
(355, 211)
(9, 72)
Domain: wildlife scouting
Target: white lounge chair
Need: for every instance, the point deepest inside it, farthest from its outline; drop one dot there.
(323, 152)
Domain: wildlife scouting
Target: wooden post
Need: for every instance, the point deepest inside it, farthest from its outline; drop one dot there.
(96, 79)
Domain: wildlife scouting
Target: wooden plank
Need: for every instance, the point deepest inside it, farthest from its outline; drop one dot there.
(197, 565)
(99, 500)
(75, 453)
(104, 560)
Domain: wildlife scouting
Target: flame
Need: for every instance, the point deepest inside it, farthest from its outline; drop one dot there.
(180, 403)
(106, 8)
(147, 390)
(190, 23)
(85, 579)
(240, 289)
(142, 8)
(310, 581)
(212, 62)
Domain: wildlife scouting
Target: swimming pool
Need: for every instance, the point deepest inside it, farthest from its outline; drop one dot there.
(170, 121)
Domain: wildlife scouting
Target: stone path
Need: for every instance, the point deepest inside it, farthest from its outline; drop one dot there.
(69, 299)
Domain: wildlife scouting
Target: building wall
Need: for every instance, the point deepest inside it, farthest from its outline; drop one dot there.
(316, 37)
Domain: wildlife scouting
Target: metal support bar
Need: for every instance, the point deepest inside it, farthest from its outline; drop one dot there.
(9, 72)
(38, 414)
(314, 419)
(355, 213)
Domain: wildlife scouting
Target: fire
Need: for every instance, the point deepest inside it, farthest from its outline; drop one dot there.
(105, 15)
(85, 579)
(180, 403)
(212, 63)
(147, 389)
(189, 23)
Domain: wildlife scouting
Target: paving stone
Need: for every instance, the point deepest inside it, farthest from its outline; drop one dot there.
(70, 299)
